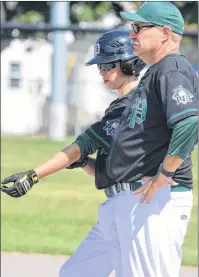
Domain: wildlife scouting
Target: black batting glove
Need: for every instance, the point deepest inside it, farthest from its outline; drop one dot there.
(80, 163)
(23, 182)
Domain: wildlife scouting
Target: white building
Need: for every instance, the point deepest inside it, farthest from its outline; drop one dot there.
(26, 84)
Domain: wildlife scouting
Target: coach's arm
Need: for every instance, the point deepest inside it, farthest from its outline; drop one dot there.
(183, 139)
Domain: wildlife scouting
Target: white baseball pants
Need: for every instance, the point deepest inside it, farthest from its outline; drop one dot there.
(134, 239)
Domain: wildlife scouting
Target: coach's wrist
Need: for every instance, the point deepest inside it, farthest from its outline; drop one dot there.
(172, 163)
(165, 172)
(161, 178)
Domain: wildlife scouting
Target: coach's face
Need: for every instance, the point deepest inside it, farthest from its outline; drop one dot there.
(113, 78)
(146, 39)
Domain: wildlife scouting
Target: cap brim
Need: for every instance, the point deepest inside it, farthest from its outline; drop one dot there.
(132, 17)
(99, 60)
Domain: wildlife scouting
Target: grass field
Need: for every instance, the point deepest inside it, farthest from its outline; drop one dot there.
(56, 215)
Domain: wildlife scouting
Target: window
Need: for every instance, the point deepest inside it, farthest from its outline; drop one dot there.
(15, 75)
(15, 67)
(14, 83)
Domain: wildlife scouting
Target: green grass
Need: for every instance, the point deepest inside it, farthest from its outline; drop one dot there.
(60, 211)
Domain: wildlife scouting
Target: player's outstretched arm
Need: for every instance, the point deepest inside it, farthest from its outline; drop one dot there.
(83, 146)
(24, 181)
(59, 161)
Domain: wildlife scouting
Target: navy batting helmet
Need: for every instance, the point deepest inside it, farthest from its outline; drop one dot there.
(116, 46)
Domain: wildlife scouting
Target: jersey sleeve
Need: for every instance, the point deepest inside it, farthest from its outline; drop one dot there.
(98, 134)
(96, 137)
(102, 131)
(178, 96)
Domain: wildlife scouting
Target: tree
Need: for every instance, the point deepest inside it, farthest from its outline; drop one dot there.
(88, 10)
(189, 10)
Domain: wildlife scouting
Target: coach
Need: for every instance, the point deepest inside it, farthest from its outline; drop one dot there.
(159, 131)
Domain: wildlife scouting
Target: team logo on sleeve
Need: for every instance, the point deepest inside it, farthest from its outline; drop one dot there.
(138, 114)
(111, 126)
(182, 95)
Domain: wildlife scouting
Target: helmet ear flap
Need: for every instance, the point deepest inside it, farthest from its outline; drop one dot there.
(132, 67)
(127, 68)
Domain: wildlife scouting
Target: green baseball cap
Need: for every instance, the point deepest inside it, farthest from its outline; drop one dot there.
(158, 13)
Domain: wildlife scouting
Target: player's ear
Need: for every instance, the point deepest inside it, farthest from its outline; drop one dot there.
(166, 33)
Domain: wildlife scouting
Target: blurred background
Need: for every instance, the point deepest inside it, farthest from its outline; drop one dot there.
(45, 86)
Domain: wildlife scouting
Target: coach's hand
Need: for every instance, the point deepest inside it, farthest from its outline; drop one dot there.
(23, 182)
(152, 185)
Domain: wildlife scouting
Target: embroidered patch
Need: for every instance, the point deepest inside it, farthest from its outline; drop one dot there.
(111, 126)
(182, 95)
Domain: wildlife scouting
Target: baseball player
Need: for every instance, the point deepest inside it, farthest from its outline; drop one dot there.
(120, 70)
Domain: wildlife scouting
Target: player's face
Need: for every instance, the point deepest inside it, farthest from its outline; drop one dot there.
(146, 39)
(113, 78)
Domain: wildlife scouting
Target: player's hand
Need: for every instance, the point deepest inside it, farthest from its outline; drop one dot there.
(80, 163)
(23, 182)
(152, 185)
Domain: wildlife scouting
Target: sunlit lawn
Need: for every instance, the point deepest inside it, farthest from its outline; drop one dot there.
(59, 211)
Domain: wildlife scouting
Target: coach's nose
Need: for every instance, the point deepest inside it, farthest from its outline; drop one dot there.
(132, 34)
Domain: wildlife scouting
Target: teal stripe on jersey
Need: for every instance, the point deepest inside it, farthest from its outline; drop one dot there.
(181, 113)
(100, 138)
(86, 144)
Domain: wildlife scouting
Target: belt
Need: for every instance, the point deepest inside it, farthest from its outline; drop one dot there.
(119, 187)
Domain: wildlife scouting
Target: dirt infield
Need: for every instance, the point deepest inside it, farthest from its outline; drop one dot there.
(38, 265)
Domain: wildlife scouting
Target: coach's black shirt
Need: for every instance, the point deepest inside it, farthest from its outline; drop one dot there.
(167, 93)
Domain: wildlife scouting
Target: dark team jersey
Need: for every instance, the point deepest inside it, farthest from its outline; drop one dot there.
(165, 95)
(102, 133)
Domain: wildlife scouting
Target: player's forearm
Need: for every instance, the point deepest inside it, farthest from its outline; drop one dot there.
(59, 161)
(171, 163)
(90, 166)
